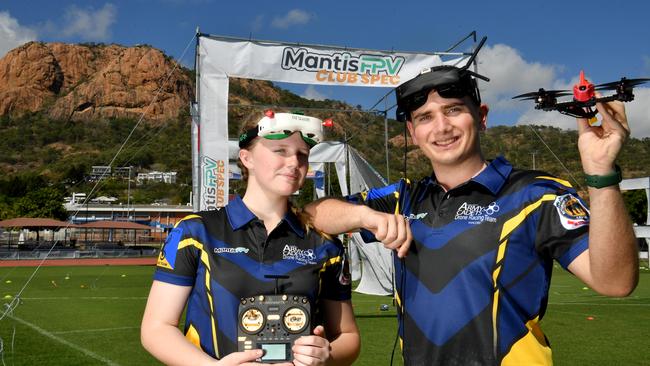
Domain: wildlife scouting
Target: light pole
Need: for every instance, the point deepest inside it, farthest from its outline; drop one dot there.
(128, 197)
(86, 229)
(534, 153)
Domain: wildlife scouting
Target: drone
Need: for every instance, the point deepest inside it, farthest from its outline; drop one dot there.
(584, 96)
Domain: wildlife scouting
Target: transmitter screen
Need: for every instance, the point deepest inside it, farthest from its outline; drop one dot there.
(276, 351)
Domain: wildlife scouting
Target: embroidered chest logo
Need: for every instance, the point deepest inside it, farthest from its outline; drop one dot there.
(476, 214)
(419, 216)
(573, 214)
(304, 256)
(236, 250)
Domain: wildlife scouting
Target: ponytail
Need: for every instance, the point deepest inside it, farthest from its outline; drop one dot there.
(306, 221)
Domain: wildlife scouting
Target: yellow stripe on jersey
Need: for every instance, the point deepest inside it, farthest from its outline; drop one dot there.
(162, 261)
(193, 336)
(508, 227)
(561, 181)
(329, 262)
(188, 217)
(531, 349)
(189, 242)
(397, 208)
(514, 222)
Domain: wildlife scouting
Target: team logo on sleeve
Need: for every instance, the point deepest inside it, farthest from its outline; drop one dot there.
(573, 214)
(167, 256)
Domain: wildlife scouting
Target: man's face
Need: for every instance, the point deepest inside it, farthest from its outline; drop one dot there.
(447, 129)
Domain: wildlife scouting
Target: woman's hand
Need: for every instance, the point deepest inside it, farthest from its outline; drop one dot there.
(313, 350)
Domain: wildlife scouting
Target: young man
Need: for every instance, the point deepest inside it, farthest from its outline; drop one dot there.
(475, 283)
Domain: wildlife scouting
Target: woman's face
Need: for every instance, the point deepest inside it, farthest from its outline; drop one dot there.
(278, 166)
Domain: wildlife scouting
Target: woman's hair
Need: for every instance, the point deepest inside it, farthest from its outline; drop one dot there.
(248, 123)
(251, 122)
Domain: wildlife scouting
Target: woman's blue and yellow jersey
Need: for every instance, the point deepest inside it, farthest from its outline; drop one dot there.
(226, 254)
(475, 283)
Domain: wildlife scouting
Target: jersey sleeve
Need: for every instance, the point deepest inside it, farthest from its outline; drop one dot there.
(563, 227)
(178, 260)
(336, 278)
(384, 199)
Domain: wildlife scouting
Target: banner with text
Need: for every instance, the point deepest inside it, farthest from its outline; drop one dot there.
(221, 58)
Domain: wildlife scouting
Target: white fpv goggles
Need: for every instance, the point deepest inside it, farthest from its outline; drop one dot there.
(277, 126)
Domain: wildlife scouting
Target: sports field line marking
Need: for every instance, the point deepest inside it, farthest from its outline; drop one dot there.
(569, 312)
(63, 341)
(94, 330)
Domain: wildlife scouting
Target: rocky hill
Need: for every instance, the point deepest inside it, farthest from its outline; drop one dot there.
(84, 82)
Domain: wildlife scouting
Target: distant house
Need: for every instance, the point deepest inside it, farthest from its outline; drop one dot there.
(104, 199)
(100, 172)
(123, 172)
(76, 198)
(155, 176)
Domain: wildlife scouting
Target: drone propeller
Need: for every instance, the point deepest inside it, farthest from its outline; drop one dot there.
(624, 81)
(543, 93)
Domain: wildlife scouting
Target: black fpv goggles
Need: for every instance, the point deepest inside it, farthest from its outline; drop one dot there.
(448, 81)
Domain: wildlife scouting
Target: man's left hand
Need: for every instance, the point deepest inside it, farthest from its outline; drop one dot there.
(599, 145)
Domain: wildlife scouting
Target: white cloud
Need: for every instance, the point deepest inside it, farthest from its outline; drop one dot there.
(293, 17)
(638, 113)
(89, 24)
(312, 93)
(13, 34)
(511, 75)
(552, 118)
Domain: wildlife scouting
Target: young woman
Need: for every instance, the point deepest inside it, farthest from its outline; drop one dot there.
(213, 259)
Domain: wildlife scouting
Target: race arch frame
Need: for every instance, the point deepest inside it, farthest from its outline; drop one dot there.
(219, 58)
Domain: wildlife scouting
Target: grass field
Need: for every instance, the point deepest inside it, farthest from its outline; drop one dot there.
(91, 316)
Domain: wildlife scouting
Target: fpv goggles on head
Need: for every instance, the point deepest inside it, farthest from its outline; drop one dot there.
(277, 126)
(448, 81)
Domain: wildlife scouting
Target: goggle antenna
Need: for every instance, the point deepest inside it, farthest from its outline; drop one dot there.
(473, 56)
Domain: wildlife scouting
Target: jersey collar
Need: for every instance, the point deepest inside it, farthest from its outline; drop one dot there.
(495, 175)
(239, 215)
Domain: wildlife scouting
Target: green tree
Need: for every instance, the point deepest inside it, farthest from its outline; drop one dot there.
(637, 205)
(45, 202)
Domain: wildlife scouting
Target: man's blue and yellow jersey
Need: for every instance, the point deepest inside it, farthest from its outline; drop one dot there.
(475, 283)
(224, 255)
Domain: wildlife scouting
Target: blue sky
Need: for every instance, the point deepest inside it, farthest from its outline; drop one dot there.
(530, 44)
